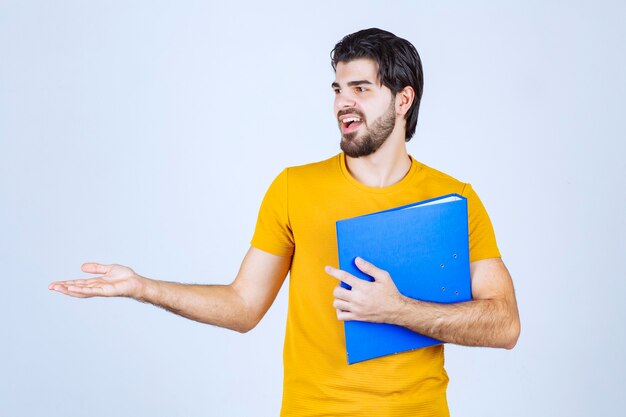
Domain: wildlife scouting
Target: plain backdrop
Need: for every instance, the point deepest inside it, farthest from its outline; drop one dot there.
(146, 133)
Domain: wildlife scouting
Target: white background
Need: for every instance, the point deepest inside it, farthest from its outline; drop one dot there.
(146, 133)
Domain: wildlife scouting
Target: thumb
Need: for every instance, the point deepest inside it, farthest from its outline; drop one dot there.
(95, 268)
(371, 269)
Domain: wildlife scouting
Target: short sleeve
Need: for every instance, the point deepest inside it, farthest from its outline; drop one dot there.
(273, 231)
(482, 239)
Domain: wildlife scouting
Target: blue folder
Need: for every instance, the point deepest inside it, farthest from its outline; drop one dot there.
(425, 248)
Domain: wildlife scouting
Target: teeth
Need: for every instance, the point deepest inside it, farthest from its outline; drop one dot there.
(351, 119)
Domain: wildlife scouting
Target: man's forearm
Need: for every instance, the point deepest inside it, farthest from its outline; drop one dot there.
(238, 306)
(219, 305)
(473, 323)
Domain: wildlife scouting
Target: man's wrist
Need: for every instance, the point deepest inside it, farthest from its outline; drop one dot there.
(401, 311)
(145, 289)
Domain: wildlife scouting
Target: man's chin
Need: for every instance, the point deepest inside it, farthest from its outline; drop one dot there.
(353, 149)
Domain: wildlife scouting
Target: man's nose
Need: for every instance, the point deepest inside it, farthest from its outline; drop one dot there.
(343, 101)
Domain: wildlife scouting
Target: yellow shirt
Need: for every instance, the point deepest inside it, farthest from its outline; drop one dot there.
(297, 218)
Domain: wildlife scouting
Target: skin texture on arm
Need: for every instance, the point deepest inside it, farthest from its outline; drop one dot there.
(491, 319)
(238, 306)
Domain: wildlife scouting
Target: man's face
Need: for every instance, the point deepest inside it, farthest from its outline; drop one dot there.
(365, 109)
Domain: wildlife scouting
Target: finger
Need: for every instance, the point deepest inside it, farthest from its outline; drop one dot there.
(349, 279)
(371, 269)
(344, 315)
(64, 290)
(95, 268)
(341, 305)
(78, 287)
(67, 282)
(77, 295)
(77, 282)
(88, 291)
(91, 282)
(342, 293)
(58, 287)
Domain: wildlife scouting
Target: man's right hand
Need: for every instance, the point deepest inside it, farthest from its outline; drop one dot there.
(116, 281)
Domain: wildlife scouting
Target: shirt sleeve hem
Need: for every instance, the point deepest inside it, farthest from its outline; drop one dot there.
(273, 249)
(483, 256)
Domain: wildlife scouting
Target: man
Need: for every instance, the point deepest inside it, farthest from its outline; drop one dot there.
(378, 87)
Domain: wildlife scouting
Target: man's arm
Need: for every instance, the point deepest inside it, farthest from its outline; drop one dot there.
(491, 319)
(238, 306)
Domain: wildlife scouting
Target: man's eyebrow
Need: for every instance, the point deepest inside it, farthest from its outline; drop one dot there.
(359, 82)
(353, 83)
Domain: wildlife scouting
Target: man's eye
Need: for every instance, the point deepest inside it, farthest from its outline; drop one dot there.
(337, 91)
(361, 89)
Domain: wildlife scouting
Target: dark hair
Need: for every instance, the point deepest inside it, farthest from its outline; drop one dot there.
(399, 64)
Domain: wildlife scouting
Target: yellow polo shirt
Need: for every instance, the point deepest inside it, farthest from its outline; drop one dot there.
(297, 218)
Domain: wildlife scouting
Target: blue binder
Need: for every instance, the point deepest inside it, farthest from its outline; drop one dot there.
(425, 248)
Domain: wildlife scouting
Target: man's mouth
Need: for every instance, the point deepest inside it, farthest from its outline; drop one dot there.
(350, 124)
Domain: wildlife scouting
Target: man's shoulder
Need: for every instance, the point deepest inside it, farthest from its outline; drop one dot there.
(430, 174)
(317, 165)
(315, 169)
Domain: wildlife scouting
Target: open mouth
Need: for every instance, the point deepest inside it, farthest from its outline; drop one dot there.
(350, 124)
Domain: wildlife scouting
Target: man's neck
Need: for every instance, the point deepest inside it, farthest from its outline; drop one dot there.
(385, 167)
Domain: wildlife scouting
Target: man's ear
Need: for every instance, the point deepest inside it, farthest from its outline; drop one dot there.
(404, 100)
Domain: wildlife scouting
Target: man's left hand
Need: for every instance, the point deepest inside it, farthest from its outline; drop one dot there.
(378, 301)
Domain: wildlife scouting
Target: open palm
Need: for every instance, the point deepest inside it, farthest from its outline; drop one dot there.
(117, 280)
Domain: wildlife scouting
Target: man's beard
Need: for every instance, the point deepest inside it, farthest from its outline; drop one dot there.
(373, 138)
